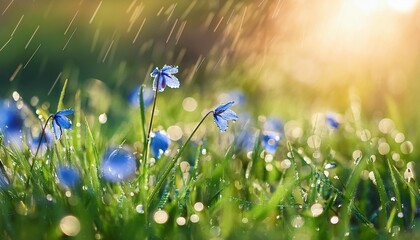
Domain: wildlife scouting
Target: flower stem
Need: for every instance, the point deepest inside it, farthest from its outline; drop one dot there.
(173, 162)
(147, 142)
(37, 149)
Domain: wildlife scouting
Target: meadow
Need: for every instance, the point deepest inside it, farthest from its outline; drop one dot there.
(209, 120)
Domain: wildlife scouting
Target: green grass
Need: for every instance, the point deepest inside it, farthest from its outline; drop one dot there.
(245, 194)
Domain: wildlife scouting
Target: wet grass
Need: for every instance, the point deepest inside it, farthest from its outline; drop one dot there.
(321, 182)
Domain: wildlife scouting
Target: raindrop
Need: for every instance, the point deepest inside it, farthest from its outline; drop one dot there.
(400, 215)
(103, 118)
(286, 163)
(297, 222)
(160, 217)
(194, 218)
(175, 133)
(386, 125)
(140, 209)
(372, 158)
(189, 104)
(199, 206)
(330, 165)
(70, 225)
(316, 209)
(49, 197)
(181, 221)
(406, 147)
(357, 154)
(334, 220)
(399, 137)
(314, 141)
(383, 148)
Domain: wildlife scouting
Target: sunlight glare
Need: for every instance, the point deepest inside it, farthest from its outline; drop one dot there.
(402, 5)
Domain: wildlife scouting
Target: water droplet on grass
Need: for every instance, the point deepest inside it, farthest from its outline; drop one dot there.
(139, 208)
(406, 147)
(199, 206)
(298, 222)
(334, 220)
(317, 209)
(194, 218)
(160, 217)
(70, 225)
(181, 221)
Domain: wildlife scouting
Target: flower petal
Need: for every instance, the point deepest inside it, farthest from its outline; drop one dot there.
(172, 81)
(65, 112)
(57, 130)
(62, 121)
(155, 72)
(159, 144)
(221, 123)
(170, 69)
(229, 115)
(223, 107)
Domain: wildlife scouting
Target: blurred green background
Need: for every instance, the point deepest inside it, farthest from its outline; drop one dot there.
(290, 58)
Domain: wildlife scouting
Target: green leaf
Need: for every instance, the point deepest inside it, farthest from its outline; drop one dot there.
(60, 101)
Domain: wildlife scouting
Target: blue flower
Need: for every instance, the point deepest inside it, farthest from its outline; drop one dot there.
(11, 123)
(222, 114)
(270, 141)
(10, 117)
(60, 121)
(148, 96)
(331, 120)
(118, 165)
(67, 176)
(166, 77)
(4, 183)
(160, 143)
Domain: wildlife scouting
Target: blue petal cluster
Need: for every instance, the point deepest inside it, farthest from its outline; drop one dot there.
(270, 141)
(118, 165)
(67, 176)
(159, 143)
(273, 130)
(165, 77)
(4, 183)
(222, 114)
(60, 121)
(11, 123)
(331, 120)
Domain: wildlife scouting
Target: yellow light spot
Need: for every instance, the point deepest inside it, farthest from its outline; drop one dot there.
(194, 218)
(181, 221)
(174, 132)
(316, 209)
(334, 220)
(189, 104)
(160, 217)
(199, 206)
(103, 118)
(70, 225)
